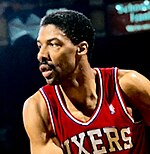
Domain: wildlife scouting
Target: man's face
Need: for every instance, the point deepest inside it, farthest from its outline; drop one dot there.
(56, 53)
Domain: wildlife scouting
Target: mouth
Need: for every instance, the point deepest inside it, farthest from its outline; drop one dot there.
(46, 70)
(47, 74)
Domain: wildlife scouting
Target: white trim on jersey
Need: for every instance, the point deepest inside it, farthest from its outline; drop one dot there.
(97, 110)
(49, 109)
(119, 95)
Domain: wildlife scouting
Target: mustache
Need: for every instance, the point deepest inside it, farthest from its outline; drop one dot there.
(44, 62)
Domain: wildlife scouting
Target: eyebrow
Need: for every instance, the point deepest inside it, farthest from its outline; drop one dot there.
(49, 40)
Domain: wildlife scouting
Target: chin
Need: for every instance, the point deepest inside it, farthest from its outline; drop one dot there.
(51, 82)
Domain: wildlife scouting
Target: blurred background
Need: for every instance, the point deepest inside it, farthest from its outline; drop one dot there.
(122, 40)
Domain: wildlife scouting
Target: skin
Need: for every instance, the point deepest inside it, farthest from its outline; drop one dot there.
(71, 70)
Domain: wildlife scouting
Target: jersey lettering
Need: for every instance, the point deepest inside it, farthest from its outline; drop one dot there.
(128, 142)
(95, 136)
(66, 143)
(80, 144)
(113, 137)
(96, 142)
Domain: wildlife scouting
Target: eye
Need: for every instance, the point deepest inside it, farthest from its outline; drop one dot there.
(39, 45)
(54, 43)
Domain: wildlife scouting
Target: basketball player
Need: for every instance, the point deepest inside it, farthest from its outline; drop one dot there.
(83, 110)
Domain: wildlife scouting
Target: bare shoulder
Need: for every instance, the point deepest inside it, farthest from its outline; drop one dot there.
(34, 103)
(38, 127)
(132, 79)
(136, 88)
(130, 73)
(34, 109)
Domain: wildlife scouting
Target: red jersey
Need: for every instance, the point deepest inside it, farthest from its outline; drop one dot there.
(111, 129)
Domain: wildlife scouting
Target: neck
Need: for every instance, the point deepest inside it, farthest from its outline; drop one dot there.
(80, 90)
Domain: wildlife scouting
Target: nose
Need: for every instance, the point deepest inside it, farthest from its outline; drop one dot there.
(43, 54)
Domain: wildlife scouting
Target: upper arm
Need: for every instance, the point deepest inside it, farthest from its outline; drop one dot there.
(137, 88)
(38, 128)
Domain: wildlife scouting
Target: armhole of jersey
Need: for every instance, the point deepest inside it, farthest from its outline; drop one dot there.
(118, 92)
(48, 105)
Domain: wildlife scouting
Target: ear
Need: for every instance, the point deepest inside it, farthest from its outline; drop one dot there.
(82, 48)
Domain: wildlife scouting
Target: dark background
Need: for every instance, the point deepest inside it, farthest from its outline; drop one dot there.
(20, 76)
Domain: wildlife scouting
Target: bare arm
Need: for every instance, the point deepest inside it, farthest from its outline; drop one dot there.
(137, 89)
(39, 131)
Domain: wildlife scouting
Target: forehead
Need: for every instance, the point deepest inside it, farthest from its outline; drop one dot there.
(50, 31)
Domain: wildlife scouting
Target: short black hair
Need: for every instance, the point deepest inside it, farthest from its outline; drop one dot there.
(74, 24)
